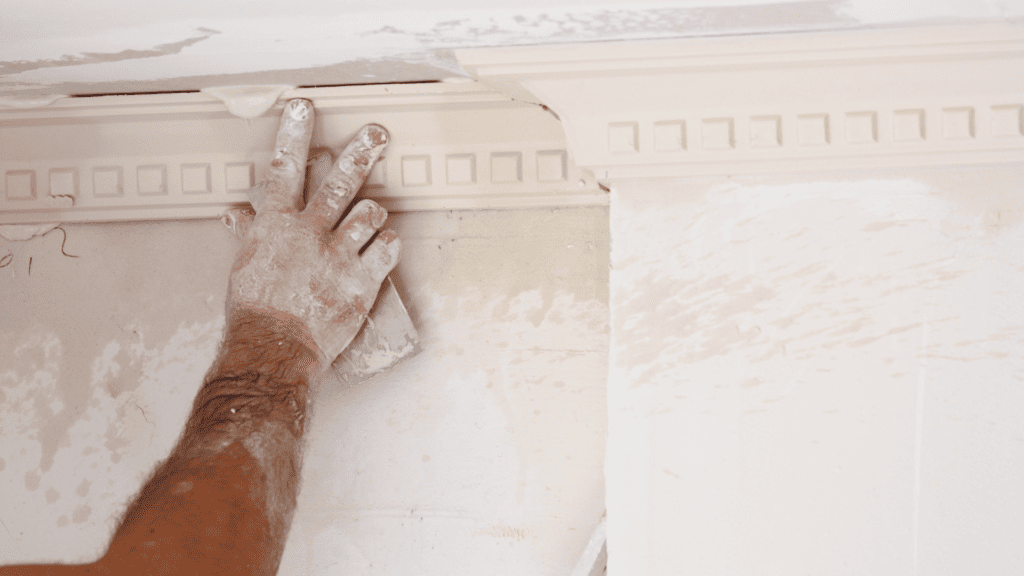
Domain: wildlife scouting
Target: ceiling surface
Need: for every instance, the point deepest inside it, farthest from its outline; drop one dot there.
(55, 47)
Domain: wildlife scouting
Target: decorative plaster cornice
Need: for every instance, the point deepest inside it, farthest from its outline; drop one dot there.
(164, 156)
(765, 104)
(707, 107)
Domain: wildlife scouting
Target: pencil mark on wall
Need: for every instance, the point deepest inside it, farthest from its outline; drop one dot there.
(63, 242)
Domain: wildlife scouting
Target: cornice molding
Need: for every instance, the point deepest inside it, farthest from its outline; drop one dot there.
(768, 104)
(700, 107)
(169, 156)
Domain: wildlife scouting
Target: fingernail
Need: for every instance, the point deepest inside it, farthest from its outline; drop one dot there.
(299, 108)
(376, 135)
(379, 215)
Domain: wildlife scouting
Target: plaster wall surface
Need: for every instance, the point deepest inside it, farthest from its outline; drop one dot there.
(817, 374)
(483, 454)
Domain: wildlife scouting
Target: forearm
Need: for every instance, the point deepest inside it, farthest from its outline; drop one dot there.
(222, 502)
(224, 498)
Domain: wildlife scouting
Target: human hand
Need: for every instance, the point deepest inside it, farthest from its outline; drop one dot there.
(294, 265)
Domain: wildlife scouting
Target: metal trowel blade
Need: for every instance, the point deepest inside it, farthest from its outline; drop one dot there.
(386, 338)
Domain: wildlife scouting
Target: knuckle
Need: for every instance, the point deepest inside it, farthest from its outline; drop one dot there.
(375, 213)
(285, 161)
(337, 184)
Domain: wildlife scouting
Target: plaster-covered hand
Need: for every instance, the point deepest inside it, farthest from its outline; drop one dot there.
(294, 264)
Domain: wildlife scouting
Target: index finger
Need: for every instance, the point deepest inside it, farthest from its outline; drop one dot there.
(284, 179)
(346, 177)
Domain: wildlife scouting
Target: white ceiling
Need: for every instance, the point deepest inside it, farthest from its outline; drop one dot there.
(109, 46)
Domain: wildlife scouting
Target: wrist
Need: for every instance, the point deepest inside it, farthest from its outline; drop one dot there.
(261, 340)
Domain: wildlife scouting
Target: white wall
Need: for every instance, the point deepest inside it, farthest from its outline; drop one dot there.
(481, 455)
(818, 374)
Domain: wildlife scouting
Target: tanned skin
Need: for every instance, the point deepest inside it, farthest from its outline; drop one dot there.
(299, 291)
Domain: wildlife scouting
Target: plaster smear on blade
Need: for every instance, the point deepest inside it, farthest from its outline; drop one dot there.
(22, 232)
(248, 101)
(378, 359)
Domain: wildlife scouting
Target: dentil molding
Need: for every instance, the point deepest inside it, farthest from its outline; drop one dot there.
(765, 104)
(544, 124)
(169, 156)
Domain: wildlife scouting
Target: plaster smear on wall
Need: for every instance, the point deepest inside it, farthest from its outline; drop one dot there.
(807, 370)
